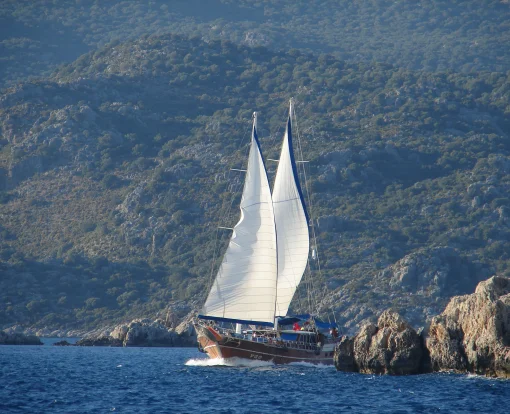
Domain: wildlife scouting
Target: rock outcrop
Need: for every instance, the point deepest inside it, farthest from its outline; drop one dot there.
(390, 347)
(18, 339)
(344, 355)
(62, 343)
(473, 332)
(145, 333)
(471, 335)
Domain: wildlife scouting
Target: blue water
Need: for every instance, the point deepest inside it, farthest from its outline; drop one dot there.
(40, 379)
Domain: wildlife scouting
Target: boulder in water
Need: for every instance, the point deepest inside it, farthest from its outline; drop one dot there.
(392, 347)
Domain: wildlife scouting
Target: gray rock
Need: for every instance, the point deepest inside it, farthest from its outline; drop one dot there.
(390, 347)
(145, 333)
(445, 345)
(133, 199)
(253, 39)
(17, 338)
(473, 332)
(62, 343)
(344, 355)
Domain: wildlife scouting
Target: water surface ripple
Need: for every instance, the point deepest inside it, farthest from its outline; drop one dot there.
(178, 380)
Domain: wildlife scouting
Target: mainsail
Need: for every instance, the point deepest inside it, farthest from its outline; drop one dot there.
(291, 220)
(244, 289)
(268, 251)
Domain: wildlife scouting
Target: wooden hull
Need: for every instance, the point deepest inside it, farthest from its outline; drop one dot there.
(219, 346)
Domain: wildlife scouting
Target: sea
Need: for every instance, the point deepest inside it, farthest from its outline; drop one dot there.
(50, 379)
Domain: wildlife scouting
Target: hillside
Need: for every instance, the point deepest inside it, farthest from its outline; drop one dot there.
(462, 35)
(115, 174)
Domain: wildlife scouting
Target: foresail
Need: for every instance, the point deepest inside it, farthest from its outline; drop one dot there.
(291, 221)
(245, 286)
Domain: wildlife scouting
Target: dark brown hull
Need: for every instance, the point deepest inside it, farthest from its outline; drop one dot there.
(218, 346)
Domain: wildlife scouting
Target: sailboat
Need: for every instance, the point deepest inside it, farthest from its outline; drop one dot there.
(261, 269)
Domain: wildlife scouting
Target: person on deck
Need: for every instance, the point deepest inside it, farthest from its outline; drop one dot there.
(296, 326)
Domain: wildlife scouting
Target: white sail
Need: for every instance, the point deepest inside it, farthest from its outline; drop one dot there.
(291, 225)
(245, 286)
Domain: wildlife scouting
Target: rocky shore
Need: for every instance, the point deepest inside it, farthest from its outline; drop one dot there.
(18, 339)
(173, 331)
(471, 335)
(145, 333)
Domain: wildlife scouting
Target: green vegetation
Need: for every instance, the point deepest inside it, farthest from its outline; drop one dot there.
(114, 170)
(463, 35)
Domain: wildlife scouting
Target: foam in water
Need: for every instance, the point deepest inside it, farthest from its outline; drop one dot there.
(310, 365)
(227, 362)
(249, 363)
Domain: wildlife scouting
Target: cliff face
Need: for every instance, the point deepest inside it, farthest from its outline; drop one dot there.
(471, 335)
(473, 332)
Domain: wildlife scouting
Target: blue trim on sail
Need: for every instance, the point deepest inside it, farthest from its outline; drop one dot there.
(256, 138)
(216, 318)
(294, 169)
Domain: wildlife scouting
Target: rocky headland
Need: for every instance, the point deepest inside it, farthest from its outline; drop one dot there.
(471, 335)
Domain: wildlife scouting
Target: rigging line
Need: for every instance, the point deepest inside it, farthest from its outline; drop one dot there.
(310, 204)
(308, 278)
(319, 269)
(309, 283)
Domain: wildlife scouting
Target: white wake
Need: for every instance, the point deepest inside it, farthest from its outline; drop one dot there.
(227, 362)
(310, 365)
(247, 363)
